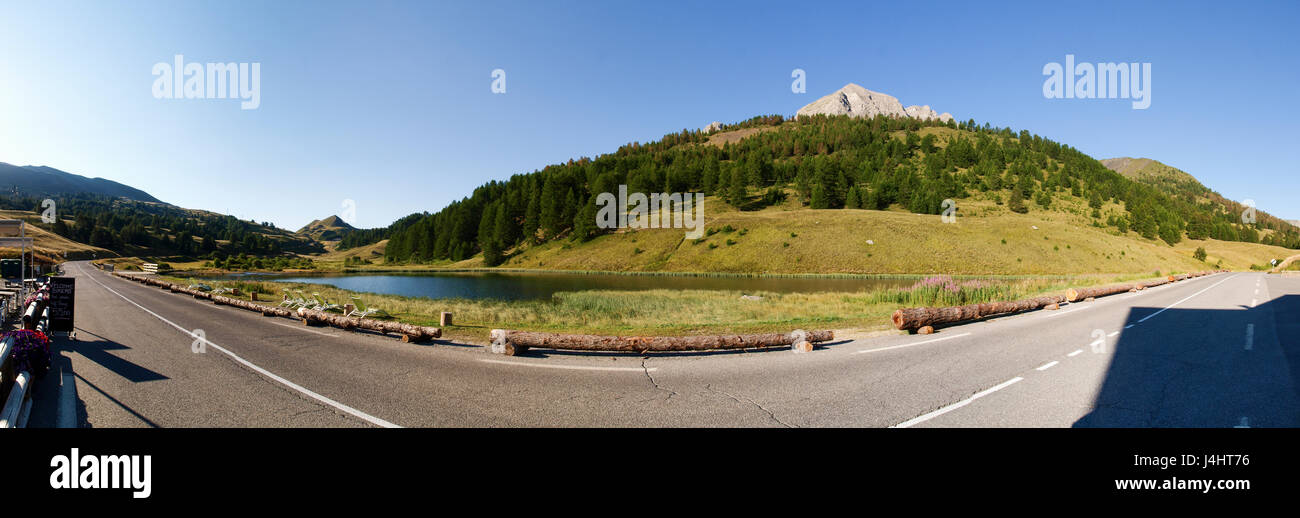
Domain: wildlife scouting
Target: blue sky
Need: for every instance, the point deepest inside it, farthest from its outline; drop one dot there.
(390, 104)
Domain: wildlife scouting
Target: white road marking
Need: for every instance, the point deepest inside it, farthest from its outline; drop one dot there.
(1113, 333)
(1245, 423)
(300, 328)
(1128, 326)
(1250, 336)
(1069, 311)
(923, 418)
(1253, 302)
(1185, 299)
(1047, 365)
(911, 344)
(571, 367)
(1075, 353)
(340, 406)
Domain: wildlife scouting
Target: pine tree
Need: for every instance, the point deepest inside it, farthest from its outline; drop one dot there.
(487, 236)
(551, 210)
(1017, 202)
(819, 200)
(532, 218)
(584, 224)
(851, 201)
(736, 192)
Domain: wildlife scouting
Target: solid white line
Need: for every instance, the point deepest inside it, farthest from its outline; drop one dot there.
(1185, 299)
(1250, 336)
(1128, 326)
(67, 416)
(1047, 365)
(911, 344)
(1113, 333)
(921, 419)
(1075, 353)
(571, 367)
(340, 406)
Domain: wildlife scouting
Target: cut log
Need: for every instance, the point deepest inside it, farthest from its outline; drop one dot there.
(504, 341)
(915, 318)
(925, 330)
(408, 332)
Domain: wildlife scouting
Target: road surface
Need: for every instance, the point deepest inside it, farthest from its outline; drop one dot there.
(1216, 351)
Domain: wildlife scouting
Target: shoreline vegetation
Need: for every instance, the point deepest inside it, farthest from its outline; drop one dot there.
(686, 312)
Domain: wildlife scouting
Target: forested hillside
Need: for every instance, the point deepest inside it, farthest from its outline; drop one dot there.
(828, 163)
(157, 229)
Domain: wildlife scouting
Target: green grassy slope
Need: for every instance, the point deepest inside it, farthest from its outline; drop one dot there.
(835, 241)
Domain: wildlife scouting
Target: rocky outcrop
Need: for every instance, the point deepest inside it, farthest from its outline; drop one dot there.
(856, 101)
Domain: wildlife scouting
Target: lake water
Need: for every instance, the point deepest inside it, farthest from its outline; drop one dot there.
(526, 286)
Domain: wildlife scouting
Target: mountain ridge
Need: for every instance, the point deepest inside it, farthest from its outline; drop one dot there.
(48, 181)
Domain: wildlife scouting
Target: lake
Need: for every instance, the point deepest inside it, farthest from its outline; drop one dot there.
(541, 285)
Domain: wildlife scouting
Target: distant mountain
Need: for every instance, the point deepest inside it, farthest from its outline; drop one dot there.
(47, 181)
(856, 101)
(1179, 184)
(332, 228)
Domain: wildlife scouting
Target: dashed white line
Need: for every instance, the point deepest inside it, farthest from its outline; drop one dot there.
(1185, 299)
(1128, 326)
(1250, 336)
(1047, 365)
(911, 344)
(923, 418)
(571, 367)
(339, 406)
(1112, 333)
(1253, 302)
(1075, 353)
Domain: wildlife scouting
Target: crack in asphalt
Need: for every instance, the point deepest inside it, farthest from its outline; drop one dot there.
(651, 377)
(752, 402)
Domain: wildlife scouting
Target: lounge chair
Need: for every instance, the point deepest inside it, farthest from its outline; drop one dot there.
(322, 304)
(361, 311)
(303, 301)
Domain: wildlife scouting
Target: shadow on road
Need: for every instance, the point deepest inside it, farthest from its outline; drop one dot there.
(98, 351)
(1193, 368)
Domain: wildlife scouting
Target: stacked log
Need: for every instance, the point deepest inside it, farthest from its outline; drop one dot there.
(913, 318)
(917, 318)
(408, 332)
(512, 343)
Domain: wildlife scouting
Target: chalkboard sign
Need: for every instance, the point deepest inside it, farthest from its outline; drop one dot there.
(62, 294)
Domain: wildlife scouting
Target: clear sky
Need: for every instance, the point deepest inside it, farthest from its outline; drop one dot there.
(390, 104)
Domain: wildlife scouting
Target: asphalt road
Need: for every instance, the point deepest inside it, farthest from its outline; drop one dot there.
(1216, 351)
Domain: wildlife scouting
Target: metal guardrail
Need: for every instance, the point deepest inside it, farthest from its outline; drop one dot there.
(18, 405)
